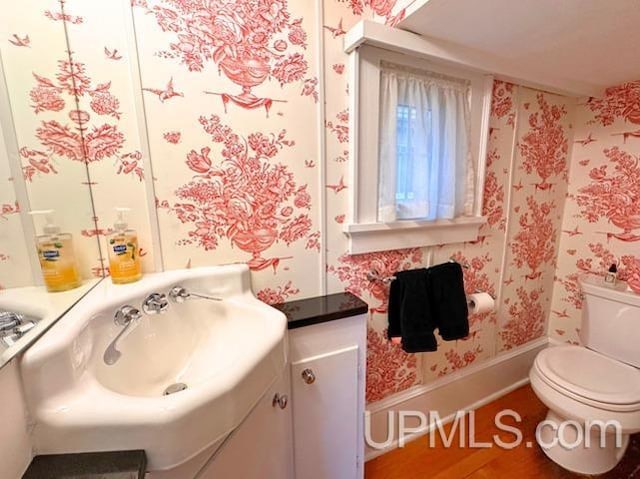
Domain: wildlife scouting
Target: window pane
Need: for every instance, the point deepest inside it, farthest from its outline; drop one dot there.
(404, 154)
(423, 146)
(408, 132)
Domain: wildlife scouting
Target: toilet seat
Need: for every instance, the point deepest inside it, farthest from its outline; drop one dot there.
(590, 378)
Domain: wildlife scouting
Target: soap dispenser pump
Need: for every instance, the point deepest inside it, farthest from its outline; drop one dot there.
(56, 255)
(124, 254)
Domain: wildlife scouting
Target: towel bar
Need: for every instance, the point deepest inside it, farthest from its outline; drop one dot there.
(464, 265)
(373, 275)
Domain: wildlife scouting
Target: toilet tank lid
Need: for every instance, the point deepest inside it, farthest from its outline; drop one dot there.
(595, 285)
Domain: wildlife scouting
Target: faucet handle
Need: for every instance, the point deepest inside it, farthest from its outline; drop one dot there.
(178, 294)
(155, 303)
(126, 314)
(9, 321)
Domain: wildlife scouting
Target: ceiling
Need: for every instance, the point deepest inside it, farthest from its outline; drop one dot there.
(595, 42)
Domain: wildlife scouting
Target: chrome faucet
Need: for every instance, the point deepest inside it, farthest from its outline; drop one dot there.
(9, 321)
(126, 316)
(13, 326)
(178, 294)
(155, 303)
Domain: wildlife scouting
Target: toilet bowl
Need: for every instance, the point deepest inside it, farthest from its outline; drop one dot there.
(594, 405)
(592, 391)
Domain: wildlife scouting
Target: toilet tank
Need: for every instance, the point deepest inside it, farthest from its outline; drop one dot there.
(610, 319)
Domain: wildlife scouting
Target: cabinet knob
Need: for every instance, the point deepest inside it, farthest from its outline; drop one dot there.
(280, 400)
(308, 376)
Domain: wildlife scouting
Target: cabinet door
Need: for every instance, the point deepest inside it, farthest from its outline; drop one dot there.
(261, 447)
(325, 415)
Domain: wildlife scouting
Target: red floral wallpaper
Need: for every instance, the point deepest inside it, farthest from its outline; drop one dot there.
(524, 192)
(389, 369)
(220, 107)
(249, 41)
(544, 146)
(601, 223)
(245, 198)
(116, 154)
(85, 138)
(55, 139)
(539, 173)
(12, 256)
(231, 94)
(515, 254)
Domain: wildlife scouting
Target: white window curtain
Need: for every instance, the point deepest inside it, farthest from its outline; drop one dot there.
(425, 165)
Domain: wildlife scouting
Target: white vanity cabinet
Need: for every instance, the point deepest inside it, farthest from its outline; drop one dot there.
(327, 382)
(309, 425)
(261, 447)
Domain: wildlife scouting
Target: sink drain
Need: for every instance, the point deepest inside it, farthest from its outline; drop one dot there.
(174, 388)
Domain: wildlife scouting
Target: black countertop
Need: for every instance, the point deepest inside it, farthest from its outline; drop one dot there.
(90, 465)
(305, 312)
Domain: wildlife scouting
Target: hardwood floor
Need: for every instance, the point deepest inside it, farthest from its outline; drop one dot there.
(418, 460)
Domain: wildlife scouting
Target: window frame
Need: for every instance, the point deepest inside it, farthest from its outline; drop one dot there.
(363, 230)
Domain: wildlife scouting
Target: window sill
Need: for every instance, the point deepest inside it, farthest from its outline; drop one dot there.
(370, 237)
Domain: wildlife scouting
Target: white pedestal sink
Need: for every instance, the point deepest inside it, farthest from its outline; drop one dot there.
(227, 353)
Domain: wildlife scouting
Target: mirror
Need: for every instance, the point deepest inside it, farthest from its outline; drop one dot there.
(43, 166)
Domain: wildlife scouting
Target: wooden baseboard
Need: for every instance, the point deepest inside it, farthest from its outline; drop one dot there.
(467, 389)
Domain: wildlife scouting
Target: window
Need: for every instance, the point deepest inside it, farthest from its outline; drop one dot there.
(425, 166)
(418, 145)
(406, 119)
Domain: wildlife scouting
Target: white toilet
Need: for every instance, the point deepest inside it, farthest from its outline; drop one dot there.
(599, 381)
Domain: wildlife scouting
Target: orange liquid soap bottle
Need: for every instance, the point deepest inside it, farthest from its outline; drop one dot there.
(124, 253)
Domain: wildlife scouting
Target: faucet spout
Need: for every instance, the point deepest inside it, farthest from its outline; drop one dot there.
(126, 316)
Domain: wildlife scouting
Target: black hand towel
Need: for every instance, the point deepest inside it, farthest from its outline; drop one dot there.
(448, 300)
(410, 310)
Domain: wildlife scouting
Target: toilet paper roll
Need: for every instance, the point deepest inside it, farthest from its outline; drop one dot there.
(480, 303)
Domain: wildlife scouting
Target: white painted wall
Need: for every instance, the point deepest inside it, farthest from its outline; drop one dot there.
(15, 446)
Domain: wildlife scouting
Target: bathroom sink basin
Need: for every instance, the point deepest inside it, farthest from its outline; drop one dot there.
(191, 344)
(183, 381)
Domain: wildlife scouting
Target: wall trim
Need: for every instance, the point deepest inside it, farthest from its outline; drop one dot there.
(143, 134)
(370, 237)
(556, 293)
(481, 384)
(321, 160)
(507, 207)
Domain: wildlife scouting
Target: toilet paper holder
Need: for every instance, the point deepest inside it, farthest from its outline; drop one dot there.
(481, 302)
(493, 296)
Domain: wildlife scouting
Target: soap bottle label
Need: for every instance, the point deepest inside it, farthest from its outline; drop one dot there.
(124, 263)
(51, 254)
(58, 265)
